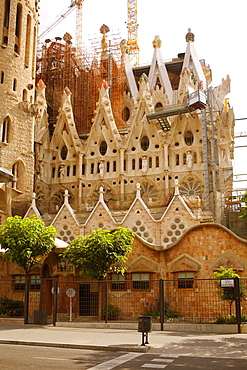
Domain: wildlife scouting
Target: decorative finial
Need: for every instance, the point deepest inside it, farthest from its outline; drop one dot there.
(104, 29)
(190, 36)
(157, 42)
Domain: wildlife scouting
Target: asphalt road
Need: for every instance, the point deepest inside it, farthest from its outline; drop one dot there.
(13, 357)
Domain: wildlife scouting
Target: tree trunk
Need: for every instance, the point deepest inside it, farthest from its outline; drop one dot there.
(26, 298)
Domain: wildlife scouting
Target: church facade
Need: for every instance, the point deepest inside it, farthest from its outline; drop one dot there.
(103, 144)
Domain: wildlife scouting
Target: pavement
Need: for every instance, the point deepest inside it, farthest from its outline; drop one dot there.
(126, 340)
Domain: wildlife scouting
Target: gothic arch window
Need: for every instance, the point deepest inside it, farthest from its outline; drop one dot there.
(64, 152)
(18, 170)
(18, 28)
(177, 159)
(28, 40)
(103, 147)
(6, 22)
(188, 138)
(158, 107)
(5, 130)
(133, 164)
(145, 143)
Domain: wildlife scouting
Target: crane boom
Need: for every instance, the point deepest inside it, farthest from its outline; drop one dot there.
(133, 32)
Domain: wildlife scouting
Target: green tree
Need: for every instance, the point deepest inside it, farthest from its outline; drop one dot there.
(228, 293)
(95, 254)
(25, 241)
(244, 200)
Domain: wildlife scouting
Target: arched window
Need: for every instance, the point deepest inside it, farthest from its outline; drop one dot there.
(188, 138)
(6, 22)
(64, 152)
(5, 130)
(177, 159)
(133, 164)
(18, 28)
(145, 143)
(103, 147)
(28, 40)
(158, 107)
(150, 162)
(157, 160)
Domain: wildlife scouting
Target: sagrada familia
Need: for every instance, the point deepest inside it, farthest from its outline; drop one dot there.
(88, 141)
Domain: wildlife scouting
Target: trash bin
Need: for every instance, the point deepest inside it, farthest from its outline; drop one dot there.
(145, 324)
(40, 317)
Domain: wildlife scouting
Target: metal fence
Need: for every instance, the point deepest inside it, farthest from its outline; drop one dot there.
(181, 301)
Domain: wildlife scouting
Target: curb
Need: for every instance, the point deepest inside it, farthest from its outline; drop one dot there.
(116, 348)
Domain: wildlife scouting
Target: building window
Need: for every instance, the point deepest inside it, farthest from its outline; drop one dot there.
(188, 138)
(150, 162)
(5, 130)
(68, 170)
(177, 159)
(157, 160)
(107, 166)
(185, 280)
(140, 281)
(28, 36)
(145, 143)
(83, 169)
(74, 170)
(14, 84)
(140, 163)
(133, 164)
(64, 152)
(53, 171)
(18, 28)
(92, 168)
(124, 165)
(118, 282)
(114, 166)
(19, 282)
(103, 148)
(2, 77)
(6, 21)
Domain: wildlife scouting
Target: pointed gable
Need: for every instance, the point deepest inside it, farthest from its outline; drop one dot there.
(65, 133)
(100, 217)
(192, 69)
(66, 222)
(176, 220)
(158, 71)
(33, 210)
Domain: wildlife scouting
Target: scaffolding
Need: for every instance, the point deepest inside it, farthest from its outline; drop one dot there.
(58, 66)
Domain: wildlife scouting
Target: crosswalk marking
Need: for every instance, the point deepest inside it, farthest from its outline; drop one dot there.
(108, 365)
(162, 359)
(154, 366)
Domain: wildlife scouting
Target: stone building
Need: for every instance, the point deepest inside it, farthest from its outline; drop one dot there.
(18, 38)
(103, 144)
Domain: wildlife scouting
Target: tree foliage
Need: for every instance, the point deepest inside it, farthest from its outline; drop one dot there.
(244, 200)
(26, 240)
(228, 293)
(95, 254)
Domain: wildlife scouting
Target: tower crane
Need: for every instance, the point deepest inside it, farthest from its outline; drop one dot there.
(132, 32)
(78, 37)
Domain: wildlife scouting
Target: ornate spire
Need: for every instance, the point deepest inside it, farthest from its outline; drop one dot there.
(190, 36)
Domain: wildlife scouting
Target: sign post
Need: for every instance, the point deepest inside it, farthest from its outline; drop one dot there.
(70, 293)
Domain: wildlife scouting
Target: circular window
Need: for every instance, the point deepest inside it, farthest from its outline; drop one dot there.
(65, 227)
(145, 143)
(173, 227)
(101, 225)
(65, 239)
(150, 240)
(146, 235)
(138, 223)
(169, 233)
(62, 233)
(177, 220)
(142, 228)
(188, 138)
(174, 239)
(166, 240)
(103, 148)
(177, 233)
(191, 188)
(64, 152)
(134, 229)
(68, 233)
(181, 227)
(71, 238)
(139, 234)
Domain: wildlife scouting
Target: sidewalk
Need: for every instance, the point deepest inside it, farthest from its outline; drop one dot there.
(172, 343)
